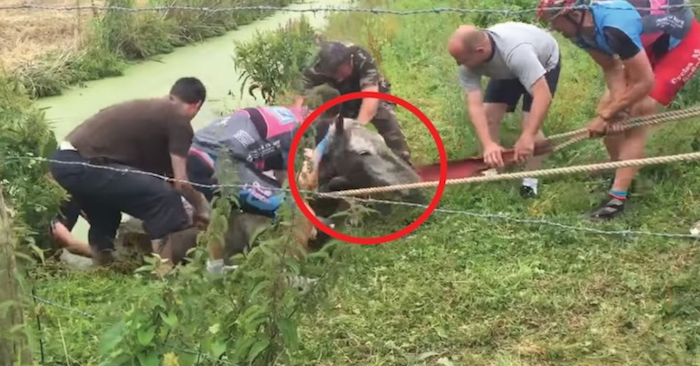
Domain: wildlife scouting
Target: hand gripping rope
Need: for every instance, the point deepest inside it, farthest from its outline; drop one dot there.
(569, 139)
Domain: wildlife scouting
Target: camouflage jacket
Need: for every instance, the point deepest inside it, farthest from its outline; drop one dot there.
(365, 73)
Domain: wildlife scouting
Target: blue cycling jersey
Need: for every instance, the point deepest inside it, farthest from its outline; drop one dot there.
(642, 26)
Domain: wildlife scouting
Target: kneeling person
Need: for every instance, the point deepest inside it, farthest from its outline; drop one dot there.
(148, 137)
(257, 140)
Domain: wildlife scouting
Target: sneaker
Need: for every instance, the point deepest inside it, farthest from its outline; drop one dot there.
(608, 209)
(527, 192)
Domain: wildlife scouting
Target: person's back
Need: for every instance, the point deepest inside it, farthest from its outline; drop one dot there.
(257, 135)
(659, 30)
(136, 133)
(508, 37)
(151, 136)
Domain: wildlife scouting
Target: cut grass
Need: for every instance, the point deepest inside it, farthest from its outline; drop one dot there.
(470, 290)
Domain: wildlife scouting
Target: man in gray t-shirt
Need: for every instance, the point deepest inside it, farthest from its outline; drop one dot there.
(520, 60)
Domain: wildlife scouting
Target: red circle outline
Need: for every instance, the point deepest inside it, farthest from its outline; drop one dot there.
(355, 239)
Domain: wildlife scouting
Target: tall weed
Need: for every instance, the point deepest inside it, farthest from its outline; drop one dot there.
(24, 134)
(135, 36)
(250, 316)
(273, 61)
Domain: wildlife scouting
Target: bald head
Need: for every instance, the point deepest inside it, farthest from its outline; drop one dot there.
(466, 40)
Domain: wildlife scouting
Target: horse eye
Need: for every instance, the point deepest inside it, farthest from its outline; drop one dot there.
(363, 152)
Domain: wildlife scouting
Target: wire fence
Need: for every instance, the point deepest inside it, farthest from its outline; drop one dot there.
(449, 211)
(377, 11)
(334, 9)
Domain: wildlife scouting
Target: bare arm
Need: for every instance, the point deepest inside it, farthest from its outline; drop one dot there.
(641, 81)
(180, 136)
(638, 77)
(369, 106)
(471, 84)
(613, 72)
(369, 81)
(477, 115)
(179, 164)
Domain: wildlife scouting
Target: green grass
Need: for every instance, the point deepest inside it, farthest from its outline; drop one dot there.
(469, 290)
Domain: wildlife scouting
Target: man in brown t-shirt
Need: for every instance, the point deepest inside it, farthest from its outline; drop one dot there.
(147, 136)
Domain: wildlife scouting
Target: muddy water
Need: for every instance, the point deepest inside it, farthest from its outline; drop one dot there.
(210, 61)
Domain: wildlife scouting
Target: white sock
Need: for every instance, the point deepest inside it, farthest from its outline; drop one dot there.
(215, 266)
(218, 266)
(531, 182)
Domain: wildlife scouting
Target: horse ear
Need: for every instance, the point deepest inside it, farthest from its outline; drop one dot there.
(339, 125)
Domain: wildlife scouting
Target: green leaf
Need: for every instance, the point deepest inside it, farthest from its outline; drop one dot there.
(290, 332)
(145, 336)
(214, 328)
(259, 346)
(217, 348)
(111, 338)
(171, 319)
(148, 360)
(318, 255)
(241, 347)
(293, 264)
(259, 287)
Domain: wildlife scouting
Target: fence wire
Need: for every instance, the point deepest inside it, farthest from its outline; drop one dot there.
(325, 9)
(333, 9)
(481, 215)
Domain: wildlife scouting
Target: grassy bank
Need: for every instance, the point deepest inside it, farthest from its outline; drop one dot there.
(109, 41)
(475, 289)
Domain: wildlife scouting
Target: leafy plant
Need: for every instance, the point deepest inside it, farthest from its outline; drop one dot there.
(25, 135)
(272, 61)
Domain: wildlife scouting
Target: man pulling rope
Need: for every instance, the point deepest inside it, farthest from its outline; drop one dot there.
(647, 57)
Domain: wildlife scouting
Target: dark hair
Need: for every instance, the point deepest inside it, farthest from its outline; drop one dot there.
(320, 95)
(332, 55)
(189, 90)
(316, 97)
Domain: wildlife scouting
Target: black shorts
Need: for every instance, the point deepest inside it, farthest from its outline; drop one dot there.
(105, 192)
(509, 91)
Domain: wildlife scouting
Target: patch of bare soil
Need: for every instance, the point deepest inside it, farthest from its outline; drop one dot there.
(25, 34)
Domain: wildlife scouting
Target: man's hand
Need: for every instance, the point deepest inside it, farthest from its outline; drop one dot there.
(524, 147)
(493, 155)
(201, 219)
(308, 178)
(597, 127)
